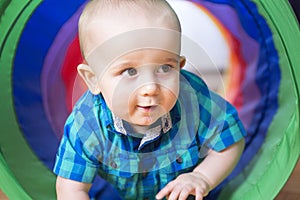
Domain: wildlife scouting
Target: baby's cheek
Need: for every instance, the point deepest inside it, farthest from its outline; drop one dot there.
(170, 85)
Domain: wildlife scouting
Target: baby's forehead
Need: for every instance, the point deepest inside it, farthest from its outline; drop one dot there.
(105, 51)
(109, 34)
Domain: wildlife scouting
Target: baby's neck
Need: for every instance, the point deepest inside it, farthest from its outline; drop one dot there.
(142, 129)
(139, 129)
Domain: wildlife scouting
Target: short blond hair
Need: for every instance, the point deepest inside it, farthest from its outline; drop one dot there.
(149, 9)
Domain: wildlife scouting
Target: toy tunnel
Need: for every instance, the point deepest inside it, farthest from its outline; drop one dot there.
(256, 44)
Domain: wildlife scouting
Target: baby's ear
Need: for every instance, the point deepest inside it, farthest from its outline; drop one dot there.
(89, 77)
(182, 61)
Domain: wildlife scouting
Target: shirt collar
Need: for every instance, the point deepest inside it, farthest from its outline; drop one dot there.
(152, 134)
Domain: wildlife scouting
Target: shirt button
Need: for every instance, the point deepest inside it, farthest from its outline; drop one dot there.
(179, 160)
(113, 165)
(144, 174)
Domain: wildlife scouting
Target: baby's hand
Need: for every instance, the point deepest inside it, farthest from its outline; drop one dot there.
(192, 183)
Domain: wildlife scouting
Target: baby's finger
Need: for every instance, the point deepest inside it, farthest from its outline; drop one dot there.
(175, 193)
(199, 194)
(185, 192)
(165, 191)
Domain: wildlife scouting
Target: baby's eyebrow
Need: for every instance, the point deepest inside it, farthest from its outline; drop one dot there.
(122, 65)
(174, 60)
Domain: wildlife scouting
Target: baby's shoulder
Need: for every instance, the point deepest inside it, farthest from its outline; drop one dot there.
(193, 84)
(86, 100)
(81, 112)
(192, 80)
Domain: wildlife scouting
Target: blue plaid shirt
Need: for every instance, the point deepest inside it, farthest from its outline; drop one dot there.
(91, 145)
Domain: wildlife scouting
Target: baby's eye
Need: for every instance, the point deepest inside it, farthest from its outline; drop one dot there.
(164, 68)
(130, 72)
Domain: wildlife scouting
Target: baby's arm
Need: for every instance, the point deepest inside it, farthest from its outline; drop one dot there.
(69, 189)
(207, 175)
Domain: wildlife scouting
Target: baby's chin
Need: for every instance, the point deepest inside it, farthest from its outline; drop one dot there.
(144, 124)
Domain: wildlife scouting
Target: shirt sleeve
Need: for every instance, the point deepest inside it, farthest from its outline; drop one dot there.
(220, 125)
(74, 159)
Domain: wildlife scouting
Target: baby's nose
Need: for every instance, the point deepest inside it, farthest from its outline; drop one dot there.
(148, 82)
(149, 89)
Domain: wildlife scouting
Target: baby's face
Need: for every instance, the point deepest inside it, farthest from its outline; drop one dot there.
(137, 69)
(141, 86)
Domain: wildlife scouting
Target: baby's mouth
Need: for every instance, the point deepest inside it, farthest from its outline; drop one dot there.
(146, 108)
